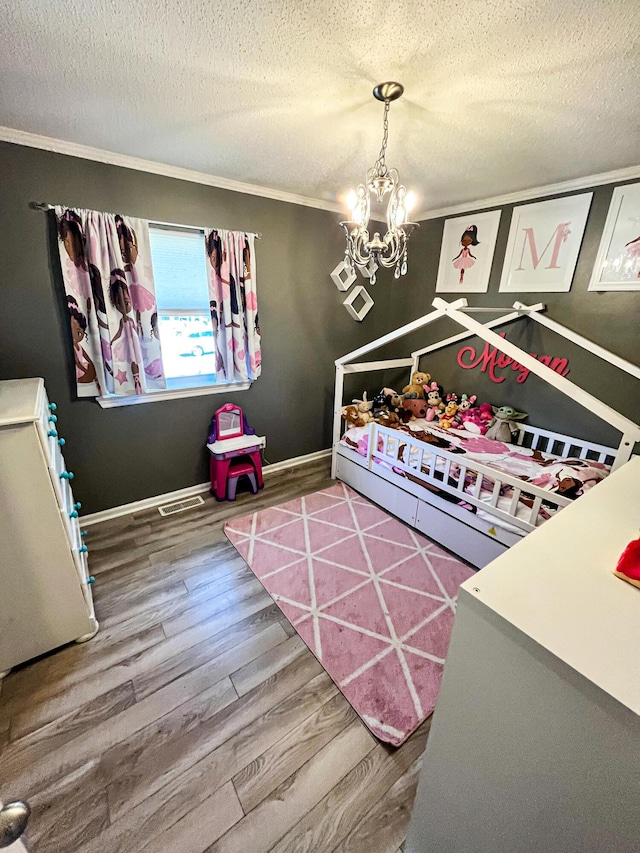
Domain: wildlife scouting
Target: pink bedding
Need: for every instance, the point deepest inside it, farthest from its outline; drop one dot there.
(569, 477)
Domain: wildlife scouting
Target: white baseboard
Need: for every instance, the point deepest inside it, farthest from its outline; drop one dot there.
(295, 461)
(180, 494)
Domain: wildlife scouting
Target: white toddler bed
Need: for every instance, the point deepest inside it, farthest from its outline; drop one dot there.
(476, 504)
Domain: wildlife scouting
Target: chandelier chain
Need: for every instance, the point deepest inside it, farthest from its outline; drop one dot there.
(380, 165)
(390, 249)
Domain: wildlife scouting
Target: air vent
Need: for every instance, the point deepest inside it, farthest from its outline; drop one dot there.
(180, 506)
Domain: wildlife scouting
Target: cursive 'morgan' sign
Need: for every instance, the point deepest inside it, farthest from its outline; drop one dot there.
(491, 359)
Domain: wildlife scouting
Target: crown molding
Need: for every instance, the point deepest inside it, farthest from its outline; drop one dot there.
(99, 155)
(616, 176)
(86, 152)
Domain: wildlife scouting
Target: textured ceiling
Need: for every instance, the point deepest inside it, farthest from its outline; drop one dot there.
(500, 95)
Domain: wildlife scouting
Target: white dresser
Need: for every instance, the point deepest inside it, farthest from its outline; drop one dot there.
(45, 588)
(535, 743)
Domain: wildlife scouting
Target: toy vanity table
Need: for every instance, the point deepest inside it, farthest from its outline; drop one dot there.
(235, 453)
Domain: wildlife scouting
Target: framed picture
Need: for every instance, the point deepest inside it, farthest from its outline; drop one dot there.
(467, 252)
(544, 243)
(617, 266)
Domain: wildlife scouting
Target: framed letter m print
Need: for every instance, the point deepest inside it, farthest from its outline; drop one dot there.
(544, 243)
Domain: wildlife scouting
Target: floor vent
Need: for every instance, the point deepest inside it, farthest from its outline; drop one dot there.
(180, 506)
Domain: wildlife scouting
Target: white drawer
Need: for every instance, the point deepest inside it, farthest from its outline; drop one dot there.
(82, 567)
(48, 428)
(72, 528)
(77, 547)
(56, 457)
(68, 508)
(80, 559)
(50, 440)
(62, 483)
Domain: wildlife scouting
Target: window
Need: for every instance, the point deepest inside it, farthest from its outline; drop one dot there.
(182, 295)
(184, 320)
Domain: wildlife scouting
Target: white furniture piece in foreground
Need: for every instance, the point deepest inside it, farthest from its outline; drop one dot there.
(45, 594)
(535, 742)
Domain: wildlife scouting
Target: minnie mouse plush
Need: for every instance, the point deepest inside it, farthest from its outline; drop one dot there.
(434, 400)
(464, 412)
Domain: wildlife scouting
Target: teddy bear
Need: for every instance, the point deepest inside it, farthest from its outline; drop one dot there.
(353, 417)
(415, 389)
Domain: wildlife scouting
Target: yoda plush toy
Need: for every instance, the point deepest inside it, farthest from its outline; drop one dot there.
(504, 423)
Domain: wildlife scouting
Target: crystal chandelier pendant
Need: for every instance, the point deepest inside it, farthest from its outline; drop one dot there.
(389, 250)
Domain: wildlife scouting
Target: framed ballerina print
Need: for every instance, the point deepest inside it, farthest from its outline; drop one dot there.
(617, 265)
(544, 243)
(468, 243)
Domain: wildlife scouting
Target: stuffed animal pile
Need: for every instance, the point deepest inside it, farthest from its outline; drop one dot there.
(424, 398)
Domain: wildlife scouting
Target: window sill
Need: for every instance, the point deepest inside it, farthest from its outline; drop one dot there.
(112, 400)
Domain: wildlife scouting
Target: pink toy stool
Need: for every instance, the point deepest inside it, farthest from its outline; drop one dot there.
(221, 466)
(236, 471)
(233, 445)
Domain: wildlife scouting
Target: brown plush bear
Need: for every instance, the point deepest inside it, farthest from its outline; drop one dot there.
(387, 418)
(415, 389)
(353, 417)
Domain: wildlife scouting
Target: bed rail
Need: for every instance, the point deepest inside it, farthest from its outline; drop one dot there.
(459, 476)
(557, 444)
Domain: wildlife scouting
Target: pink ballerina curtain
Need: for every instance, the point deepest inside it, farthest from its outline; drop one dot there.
(231, 272)
(108, 280)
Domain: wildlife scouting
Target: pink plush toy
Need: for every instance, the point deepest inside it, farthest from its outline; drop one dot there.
(478, 419)
(464, 408)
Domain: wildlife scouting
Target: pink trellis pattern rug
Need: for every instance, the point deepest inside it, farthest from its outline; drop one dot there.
(373, 599)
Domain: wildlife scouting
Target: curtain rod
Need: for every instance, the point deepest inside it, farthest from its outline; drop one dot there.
(45, 206)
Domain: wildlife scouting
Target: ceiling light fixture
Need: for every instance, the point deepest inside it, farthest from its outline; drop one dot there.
(390, 250)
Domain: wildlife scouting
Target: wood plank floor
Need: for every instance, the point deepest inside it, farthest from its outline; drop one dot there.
(196, 721)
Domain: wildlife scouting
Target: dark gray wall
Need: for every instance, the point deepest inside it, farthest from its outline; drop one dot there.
(126, 454)
(610, 319)
(129, 453)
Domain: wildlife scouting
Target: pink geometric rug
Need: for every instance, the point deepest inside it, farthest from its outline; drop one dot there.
(372, 598)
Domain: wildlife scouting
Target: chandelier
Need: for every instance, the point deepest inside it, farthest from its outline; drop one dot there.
(365, 251)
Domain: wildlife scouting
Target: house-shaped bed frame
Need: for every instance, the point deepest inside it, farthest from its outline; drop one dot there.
(478, 537)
